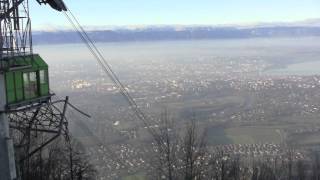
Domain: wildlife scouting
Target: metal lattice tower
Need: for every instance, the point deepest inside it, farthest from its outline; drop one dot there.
(15, 26)
(29, 118)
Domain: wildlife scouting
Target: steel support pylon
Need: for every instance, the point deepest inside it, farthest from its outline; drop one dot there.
(7, 160)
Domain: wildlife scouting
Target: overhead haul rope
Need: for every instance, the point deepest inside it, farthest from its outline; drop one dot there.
(99, 142)
(113, 156)
(111, 74)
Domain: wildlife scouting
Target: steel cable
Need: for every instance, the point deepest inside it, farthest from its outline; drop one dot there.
(111, 74)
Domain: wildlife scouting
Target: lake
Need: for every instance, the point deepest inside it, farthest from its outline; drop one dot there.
(298, 56)
(306, 68)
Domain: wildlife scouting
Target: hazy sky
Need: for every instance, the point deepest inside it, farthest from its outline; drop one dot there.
(181, 12)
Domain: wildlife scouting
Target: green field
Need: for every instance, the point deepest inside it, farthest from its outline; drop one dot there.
(135, 177)
(243, 135)
(253, 134)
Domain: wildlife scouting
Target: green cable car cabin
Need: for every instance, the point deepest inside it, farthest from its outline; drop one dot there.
(26, 79)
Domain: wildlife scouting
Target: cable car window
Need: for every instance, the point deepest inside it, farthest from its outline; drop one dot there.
(30, 84)
(33, 77)
(25, 79)
(43, 77)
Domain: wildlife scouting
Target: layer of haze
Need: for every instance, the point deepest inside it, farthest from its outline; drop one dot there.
(286, 51)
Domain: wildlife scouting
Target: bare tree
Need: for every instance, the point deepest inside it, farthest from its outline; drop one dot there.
(79, 166)
(316, 167)
(219, 166)
(266, 172)
(180, 155)
(194, 152)
(234, 172)
(301, 170)
(59, 161)
(166, 148)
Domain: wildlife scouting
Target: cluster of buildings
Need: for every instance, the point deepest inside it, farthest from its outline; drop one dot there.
(260, 150)
(237, 89)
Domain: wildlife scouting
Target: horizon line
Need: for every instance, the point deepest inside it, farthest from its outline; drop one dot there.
(314, 22)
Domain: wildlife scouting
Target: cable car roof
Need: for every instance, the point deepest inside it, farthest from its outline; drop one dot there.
(55, 4)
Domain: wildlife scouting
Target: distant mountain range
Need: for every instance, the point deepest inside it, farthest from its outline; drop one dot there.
(157, 33)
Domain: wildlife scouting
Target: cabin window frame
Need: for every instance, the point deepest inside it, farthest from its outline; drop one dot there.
(30, 84)
(43, 77)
